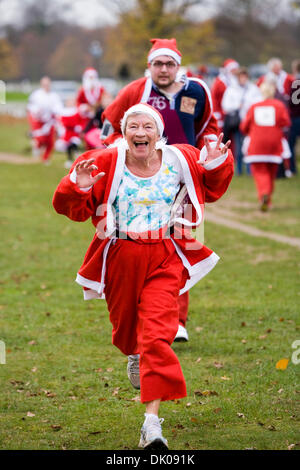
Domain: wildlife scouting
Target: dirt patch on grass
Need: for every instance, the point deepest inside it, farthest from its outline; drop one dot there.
(17, 159)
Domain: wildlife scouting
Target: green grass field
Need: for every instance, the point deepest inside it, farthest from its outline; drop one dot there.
(16, 96)
(64, 386)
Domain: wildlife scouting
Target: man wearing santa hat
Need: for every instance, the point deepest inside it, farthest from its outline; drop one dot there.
(226, 78)
(91, 99)
(281, 79)
(186, 107)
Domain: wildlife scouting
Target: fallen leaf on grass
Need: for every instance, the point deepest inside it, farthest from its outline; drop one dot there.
(101, 399)
(137, 399)
(198, 329)
(199, 359)
(95, 432)
(49, 394)
(271, 428)
(280, 390)
(32, 342)
(34, 369)
(282, 364)
(218, 365)
(217, 410)
(56, 427)
(291, 446)
(241, 415)
(244, 341)
(225, 378)
(262, 337)
(194, 420)
(30, 415)
(206, 393)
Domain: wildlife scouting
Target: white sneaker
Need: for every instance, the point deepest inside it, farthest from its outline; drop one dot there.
(151, 434)
(133, 370)
(182, 334)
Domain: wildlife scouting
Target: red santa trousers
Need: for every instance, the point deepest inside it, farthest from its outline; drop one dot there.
(141, 289)
(47, 140)
(264, 174)
(183, 304)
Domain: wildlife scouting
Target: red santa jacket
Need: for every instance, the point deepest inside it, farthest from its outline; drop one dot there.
(91, 97)
(202, 186)
(263, 125)
(218, 88)
(139, 92)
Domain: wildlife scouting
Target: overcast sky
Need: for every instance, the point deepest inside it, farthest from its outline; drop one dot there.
(95, 13)
(89, 13)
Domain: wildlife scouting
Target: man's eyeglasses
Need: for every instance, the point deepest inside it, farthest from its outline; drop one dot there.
(159, 65)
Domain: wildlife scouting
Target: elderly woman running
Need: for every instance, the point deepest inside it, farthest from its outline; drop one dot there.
(142, 255)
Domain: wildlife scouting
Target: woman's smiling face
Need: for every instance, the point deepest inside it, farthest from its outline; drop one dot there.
(141, 134)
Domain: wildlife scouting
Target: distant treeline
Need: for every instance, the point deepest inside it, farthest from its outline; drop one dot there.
(242, 29)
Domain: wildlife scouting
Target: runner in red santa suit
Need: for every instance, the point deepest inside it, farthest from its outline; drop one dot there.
(225, 79)
(185, 105)
(142, 254)
(69, 131)
(43, 108)
(91, 100)
(265, 146)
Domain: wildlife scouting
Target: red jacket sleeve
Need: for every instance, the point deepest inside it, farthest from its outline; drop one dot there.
(246, 123)
(210, 130)
(69, 200)
(284, 120)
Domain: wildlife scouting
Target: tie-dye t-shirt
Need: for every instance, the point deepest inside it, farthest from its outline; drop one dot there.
(144, 204)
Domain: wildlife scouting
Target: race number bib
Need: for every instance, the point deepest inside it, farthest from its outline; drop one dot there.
(265, 116)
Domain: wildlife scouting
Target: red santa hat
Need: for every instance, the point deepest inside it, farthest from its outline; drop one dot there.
(164, 47)
(89, 72)
(230, 64)
(144, 108)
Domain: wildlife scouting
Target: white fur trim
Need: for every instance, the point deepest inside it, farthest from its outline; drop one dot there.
(197, 271)
(262, 158)
(213, 163)
(231, 66)
(208, 94)
(147, 90)
(190, 189)
(286, 151)
(145, 109)
(164, 51)
(96, 289)
(73, 178)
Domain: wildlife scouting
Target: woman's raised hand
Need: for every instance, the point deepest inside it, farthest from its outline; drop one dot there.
(215, 151)
(84, 171)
